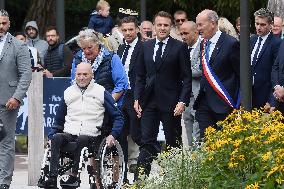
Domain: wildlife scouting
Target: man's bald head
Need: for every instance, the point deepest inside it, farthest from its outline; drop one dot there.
(189, 33)
(84, 74)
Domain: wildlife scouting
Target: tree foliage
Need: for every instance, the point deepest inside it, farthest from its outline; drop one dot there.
(77, 12)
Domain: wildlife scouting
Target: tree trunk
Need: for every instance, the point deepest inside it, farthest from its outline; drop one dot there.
(277, 7)
(43, 12)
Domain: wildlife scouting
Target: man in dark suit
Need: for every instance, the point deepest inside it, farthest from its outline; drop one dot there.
(162, 89)
(277, 80)
(128, 52)
(264, 48)
(15, 77)
(220, 69)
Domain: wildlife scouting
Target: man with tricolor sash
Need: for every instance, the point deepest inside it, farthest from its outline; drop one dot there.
(220, 82)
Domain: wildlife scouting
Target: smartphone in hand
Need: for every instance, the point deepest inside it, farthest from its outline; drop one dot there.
(149, 34)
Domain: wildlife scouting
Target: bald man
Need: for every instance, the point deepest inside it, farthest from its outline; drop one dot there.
(190, 36)
(277, 27)
(146, 30)
(86, 102)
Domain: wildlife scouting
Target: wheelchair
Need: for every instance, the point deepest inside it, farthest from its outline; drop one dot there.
(102, 165)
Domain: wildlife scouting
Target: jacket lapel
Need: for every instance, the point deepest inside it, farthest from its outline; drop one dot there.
(134, 55)
(120, 50)
(217, 48)
(6, 45)
(266, 43)
(166, 52)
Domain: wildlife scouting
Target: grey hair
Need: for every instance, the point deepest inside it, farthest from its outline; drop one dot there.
(265, 13)
(213, 16)
(4, 13)
(89, 35)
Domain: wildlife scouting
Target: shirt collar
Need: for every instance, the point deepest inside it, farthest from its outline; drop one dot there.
(196, 43)
(133, 43)
(3, 38)
(165, 41)
(264, 37)
(215, 37)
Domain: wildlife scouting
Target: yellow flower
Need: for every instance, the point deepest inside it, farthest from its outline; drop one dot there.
(279, 180)
(211, 158)
(210, 130)
(242, 157)
(266, 156)
(253, 186)
(232, 164)
(273, 170)
(250, 138)
(237, 143)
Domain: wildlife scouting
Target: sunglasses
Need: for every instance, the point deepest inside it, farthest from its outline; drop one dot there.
(180, 20)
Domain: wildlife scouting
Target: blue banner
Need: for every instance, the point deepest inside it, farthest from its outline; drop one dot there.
(53, 89)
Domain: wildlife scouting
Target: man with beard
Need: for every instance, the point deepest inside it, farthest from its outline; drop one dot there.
(33, 40)
(15, 77)
(58, 58)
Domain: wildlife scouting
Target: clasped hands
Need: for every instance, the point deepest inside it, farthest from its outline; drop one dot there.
(279, 93)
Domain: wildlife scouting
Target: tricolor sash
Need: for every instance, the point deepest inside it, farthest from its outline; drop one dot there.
(215, 82)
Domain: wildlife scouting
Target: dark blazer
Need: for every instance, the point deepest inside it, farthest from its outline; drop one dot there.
(170, 81)
(277, 76)
(261, 71)
(133, 61)
(225, 62)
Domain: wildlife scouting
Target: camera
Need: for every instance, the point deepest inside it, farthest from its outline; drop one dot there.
(149, 34)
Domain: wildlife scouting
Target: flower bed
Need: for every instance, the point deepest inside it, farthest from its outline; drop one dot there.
(248, 153)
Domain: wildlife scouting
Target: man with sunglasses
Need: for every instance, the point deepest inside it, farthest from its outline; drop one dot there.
(180, 17)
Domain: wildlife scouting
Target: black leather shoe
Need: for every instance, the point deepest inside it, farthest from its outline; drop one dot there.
(49, 183)
(4, 186)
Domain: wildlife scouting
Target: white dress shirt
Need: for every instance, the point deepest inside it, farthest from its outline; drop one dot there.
(128, 58)
(165, 41)
(214, 41)
(2, 42)
(255, 46)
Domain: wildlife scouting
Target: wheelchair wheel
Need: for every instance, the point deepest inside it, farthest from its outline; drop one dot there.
(112, 165)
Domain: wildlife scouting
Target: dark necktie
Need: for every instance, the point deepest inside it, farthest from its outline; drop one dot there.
(207, 50)
(256, 51)
(158, 58)
(125, 53)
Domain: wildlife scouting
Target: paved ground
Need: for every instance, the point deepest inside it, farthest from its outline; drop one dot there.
(20, 178)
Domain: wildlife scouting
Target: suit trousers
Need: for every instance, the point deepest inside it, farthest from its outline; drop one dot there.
(150, 121)
(7, 145)
(190, 124)
(131, 128)
(206, 117)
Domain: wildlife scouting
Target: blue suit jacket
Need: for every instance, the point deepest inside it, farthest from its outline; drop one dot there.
(261, 70)
(225, 62)
(277, 77)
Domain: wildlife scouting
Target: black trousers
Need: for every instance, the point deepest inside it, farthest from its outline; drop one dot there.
(150, 121)
(58, 141)
(206, 117)
(131, 125)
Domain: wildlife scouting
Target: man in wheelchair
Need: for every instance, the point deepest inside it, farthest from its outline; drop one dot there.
(81, 115)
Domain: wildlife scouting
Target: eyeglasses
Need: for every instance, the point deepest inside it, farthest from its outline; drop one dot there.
(180, 20)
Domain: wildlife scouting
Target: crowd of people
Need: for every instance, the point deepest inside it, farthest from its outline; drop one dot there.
(171, 70)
